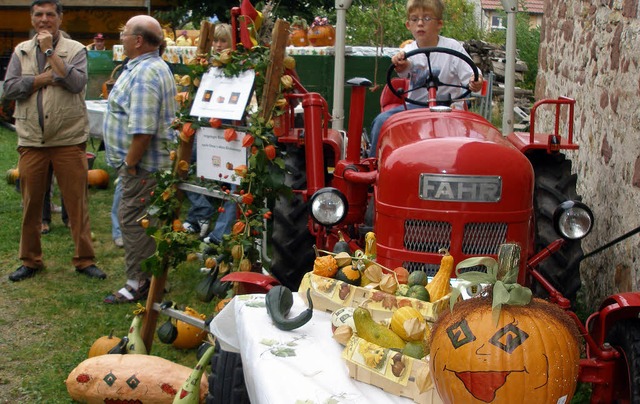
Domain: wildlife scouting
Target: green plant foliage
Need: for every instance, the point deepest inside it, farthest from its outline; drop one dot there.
(459, 21)
(261, 179)
(377, 23)
(527, 43)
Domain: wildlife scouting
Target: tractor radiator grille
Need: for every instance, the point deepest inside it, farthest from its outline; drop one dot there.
(424, 236)
(429, 269)
(483, 238)
(432, 269)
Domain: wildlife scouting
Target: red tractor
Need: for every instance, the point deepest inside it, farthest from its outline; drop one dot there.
(448, 178)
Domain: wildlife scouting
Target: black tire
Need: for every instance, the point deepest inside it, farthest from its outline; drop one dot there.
(226, 381)
(625, 336)
(292, 243)
(554, 184)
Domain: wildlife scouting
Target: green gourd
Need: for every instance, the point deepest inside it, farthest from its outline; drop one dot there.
(121, 348)
(206, 289)
(167, 332)
(136, 344)
(189, 393)
(374, 332)
(279, 301)
(341, 245)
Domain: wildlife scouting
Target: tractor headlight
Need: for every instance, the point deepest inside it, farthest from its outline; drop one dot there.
(573, 220)
(328, 206)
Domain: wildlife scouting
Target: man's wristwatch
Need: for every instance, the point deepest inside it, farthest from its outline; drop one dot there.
(49, 52)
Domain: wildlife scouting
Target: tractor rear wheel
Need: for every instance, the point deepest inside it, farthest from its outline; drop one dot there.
(625, 336)
(226, 381)
(292, 243)
(554, 184)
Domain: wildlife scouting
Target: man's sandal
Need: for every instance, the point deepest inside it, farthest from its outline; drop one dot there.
(136, 295)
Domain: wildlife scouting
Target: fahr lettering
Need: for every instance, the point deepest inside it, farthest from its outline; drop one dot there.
(465, 189)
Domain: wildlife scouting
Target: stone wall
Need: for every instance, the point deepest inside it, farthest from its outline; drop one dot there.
(590, 51)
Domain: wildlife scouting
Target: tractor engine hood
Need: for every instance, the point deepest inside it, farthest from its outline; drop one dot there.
(440, 159)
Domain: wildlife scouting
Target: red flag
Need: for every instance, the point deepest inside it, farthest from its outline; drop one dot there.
(250, 22)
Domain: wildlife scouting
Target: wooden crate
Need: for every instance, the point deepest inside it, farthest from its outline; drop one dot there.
(330, 294)
(404, 381)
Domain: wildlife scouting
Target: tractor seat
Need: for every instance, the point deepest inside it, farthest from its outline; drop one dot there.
(388, 99)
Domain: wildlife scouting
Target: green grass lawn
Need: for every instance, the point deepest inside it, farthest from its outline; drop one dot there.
(49, 322)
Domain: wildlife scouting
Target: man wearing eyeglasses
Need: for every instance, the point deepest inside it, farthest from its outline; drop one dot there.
(138, 134)
(47, 76)
(424, 20)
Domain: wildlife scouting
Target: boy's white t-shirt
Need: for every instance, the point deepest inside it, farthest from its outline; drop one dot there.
(453, 70)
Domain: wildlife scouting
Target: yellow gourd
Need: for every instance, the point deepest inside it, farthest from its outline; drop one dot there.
(439, 287)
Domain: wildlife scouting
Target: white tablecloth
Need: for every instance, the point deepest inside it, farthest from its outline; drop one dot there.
(96, 110)
(303, 365)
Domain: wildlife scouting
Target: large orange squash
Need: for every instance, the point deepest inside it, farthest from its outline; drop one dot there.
(129, 379)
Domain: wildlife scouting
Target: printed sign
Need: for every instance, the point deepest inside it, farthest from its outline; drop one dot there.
(217, 157)
(223, 97)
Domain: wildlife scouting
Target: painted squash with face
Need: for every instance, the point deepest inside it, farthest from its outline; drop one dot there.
(530, 356)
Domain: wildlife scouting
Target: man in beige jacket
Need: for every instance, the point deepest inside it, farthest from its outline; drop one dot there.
(47, 76)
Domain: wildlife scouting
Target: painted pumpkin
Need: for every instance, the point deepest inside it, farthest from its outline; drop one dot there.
(298, 37)
(129, 378)
(322, 35)
(530, 356)
(98, 178)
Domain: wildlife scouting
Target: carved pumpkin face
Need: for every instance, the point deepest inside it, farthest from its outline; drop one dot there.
(532, 355)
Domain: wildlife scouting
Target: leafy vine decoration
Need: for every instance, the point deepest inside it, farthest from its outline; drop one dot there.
(261, 179)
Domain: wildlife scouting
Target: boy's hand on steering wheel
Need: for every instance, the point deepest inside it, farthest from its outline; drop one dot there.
(400, 62)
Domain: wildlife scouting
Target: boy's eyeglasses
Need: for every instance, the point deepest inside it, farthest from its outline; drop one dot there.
(415, 20)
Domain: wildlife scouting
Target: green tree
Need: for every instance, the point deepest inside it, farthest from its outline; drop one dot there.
(381, 22)
(527, 43)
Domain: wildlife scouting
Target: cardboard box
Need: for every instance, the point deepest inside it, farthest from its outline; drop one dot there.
(330, 294)
(391, 371)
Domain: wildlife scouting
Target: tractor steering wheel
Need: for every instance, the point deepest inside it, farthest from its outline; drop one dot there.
(432, 80)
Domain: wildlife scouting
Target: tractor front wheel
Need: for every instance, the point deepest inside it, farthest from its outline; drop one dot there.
(291, 240)
(554, 184)
(226, 381)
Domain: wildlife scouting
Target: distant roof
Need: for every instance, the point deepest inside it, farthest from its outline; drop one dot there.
(532, 6)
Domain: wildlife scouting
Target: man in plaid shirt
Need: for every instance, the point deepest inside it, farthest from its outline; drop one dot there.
(137, 133)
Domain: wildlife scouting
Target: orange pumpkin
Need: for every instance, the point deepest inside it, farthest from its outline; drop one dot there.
(298, 37)
(98, 178)
(531, 356)
(103, 345)
(189, 336)
(12, 176)
(322, 35)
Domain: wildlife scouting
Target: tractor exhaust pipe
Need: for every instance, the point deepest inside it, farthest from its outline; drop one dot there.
(337, 112)
(511, 8)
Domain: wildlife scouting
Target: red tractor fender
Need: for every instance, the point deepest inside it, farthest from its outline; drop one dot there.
(612, 309)
(251, 282)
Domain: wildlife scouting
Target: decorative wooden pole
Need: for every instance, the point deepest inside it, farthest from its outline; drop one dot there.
(276, 67)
